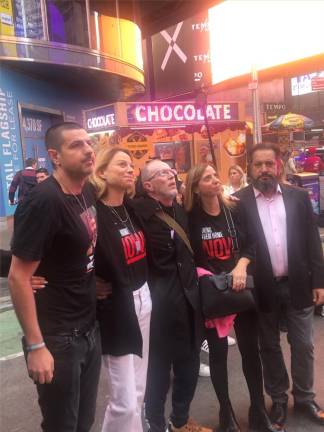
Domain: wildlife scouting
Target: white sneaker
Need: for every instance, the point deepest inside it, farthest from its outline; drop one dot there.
(204, 370)
(231, 341)
(205, 347)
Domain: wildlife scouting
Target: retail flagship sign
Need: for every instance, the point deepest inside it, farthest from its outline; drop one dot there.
(179, 113)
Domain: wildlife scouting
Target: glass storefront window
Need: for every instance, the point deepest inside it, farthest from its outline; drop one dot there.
(67, 22)
(28, 19)
(21, 18)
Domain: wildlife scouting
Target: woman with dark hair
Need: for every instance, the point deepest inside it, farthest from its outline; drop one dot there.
(124, 313)
(211, 222)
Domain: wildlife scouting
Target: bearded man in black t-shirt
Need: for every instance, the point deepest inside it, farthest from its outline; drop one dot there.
(54, 237)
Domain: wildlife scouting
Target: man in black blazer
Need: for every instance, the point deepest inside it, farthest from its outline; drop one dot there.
(176, 325)
(289, 279)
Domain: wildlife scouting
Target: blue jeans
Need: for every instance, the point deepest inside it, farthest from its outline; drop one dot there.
(68, 403)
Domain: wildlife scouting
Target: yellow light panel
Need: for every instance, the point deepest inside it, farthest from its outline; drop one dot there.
(263, 34)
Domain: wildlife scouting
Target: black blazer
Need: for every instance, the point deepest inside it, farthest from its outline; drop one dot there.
(170, 272)
(305, 254)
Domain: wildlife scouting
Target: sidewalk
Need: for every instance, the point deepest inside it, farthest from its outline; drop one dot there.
(6, 230)
(10, 335)
(19, 411)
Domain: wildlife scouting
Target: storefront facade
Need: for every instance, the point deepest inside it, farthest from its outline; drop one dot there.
(174, 131)
(28, 107)
(57, 59)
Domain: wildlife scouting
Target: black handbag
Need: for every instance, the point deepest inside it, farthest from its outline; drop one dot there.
(217, 297)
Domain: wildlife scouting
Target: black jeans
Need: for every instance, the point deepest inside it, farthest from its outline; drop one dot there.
(68, 403)
(185, 371)
(246, 329)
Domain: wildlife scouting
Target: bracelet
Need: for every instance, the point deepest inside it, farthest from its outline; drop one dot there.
(34, 347)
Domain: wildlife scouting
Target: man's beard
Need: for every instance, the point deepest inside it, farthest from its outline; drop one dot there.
(267, 184)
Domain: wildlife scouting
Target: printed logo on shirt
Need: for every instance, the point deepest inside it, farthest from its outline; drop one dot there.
(216, 245)
(134, 247)
(207, 233)
(89, 219)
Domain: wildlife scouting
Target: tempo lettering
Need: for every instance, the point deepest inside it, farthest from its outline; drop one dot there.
(202, 26)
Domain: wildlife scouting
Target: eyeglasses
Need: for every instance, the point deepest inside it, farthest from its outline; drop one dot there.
(163, 173)
(268, 164)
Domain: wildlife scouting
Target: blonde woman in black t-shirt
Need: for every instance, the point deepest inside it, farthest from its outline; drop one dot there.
(213, 245)
(124, 312)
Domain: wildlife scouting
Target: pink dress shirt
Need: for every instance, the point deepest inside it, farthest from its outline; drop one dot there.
(272, 213)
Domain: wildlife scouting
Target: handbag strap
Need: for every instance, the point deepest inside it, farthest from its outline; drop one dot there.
(176, 227)
(231, 228)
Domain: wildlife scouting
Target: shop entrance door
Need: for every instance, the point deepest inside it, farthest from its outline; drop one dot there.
(34, 125)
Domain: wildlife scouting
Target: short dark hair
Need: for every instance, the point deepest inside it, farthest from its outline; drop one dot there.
(30, 162)
(264, 146)
(42, 171)
(53, 136)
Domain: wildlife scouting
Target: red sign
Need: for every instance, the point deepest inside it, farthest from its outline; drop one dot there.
(317, 83)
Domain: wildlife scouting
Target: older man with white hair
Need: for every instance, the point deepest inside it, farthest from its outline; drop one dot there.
(175, 323)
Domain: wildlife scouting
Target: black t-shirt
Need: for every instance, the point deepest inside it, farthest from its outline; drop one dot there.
(59, 230)
(121, 251)
(120, 259)
(211, 241)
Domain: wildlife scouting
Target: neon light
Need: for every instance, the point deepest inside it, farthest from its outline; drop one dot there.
(139, 109)
(174, 113)
(263, 33)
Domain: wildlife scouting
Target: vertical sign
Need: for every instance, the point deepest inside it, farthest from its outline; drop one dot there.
(9, 144)
(181, 61)
(201, 52)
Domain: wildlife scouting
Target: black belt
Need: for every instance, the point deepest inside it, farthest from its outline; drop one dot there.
(281, 279)
(77, 331)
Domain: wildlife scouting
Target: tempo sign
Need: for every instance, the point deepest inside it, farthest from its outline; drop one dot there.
(182, 113)
(100, 119)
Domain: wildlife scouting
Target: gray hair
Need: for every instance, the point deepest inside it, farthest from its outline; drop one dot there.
(146, 171)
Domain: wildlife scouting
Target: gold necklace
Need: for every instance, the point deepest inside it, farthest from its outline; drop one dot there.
(124, 222)
(117, 215)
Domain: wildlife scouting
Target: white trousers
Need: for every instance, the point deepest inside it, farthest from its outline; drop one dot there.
(126, 376)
